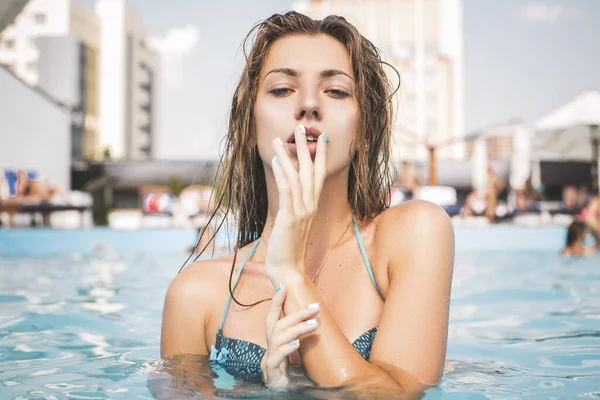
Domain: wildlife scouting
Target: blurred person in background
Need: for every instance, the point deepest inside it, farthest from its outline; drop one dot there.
(576, 234)
(528, 199)
(409, 180)
(583, 196)
(26, 188)
(570, 198)
(590, 215)
(484, 201)
(31, 189)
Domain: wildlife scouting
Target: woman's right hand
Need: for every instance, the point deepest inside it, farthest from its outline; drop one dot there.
(282, 338)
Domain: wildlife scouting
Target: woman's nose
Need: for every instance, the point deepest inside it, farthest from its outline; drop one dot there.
(309, 108)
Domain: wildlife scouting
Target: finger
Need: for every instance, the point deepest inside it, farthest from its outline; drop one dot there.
(275, 310)
(305, 167)
(279, 356)
(320, 167)
(294, 318)
(280, 338)
(292, 177)
(283, 186)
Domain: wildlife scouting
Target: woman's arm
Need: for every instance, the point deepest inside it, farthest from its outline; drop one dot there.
(184, 312)
(183, 344)
(410, 347)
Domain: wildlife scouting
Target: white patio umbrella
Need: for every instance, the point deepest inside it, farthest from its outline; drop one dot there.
(571, 132)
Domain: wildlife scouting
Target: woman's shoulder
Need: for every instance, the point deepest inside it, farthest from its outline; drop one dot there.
(412, 214)
(198, 282)
(204, 281)
(411, 226)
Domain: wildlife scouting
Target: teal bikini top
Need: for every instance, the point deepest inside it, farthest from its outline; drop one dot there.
(242, 359)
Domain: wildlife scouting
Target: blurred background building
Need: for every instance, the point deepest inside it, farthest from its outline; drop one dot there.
(423, 40)
(82, 86)
(96, 64)
(78, 104)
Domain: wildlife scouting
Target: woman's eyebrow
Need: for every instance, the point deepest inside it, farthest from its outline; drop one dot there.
(328, 73)
(287, 71)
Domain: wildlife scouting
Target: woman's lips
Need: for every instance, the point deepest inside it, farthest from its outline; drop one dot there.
(312, 146)
(310, 131)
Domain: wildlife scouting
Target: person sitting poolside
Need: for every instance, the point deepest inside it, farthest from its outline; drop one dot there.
(325, 276)
(32, 189)
(576, 234)
(26, 188)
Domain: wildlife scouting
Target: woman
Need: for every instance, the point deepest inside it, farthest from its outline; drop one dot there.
(576, 234)
(360, 292)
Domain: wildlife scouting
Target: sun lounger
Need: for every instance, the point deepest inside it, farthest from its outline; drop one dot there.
(43, 209)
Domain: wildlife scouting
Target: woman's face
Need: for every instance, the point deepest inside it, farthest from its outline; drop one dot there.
(308, 80)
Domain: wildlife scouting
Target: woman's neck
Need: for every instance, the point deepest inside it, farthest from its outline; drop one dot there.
(331, 221)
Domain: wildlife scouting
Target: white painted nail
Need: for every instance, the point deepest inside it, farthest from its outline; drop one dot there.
(311, 322)
(302, 128)
(279, 142)
(313, 306)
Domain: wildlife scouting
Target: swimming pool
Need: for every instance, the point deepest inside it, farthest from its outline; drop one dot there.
(80, 315)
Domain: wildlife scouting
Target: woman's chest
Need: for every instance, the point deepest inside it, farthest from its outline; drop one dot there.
(344, 284)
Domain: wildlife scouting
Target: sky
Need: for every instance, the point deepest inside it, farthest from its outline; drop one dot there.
(523, 59)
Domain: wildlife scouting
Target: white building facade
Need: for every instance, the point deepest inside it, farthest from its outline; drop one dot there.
(92, 64)
(127, 83)
(423, 40)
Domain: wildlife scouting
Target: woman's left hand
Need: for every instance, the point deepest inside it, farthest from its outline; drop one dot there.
(299, 192)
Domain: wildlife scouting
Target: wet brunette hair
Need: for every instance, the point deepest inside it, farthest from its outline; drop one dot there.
(241, 190)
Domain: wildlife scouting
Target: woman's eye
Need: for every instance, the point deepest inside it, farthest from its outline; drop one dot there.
(337, 93)
(278, 92)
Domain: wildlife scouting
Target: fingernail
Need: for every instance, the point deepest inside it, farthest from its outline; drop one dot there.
(277, 161)
(294, 342)
(313, 306)
(279, 142)
(278, 288)
(325, 138)
(311, 322)
(302, 128)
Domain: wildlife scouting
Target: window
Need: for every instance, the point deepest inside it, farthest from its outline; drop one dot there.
(39, 18)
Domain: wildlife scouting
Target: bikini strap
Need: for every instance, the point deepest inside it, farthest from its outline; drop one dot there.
(361, 245)
(237, 278)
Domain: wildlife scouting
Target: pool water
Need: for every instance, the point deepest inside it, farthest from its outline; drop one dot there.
(80, 315)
